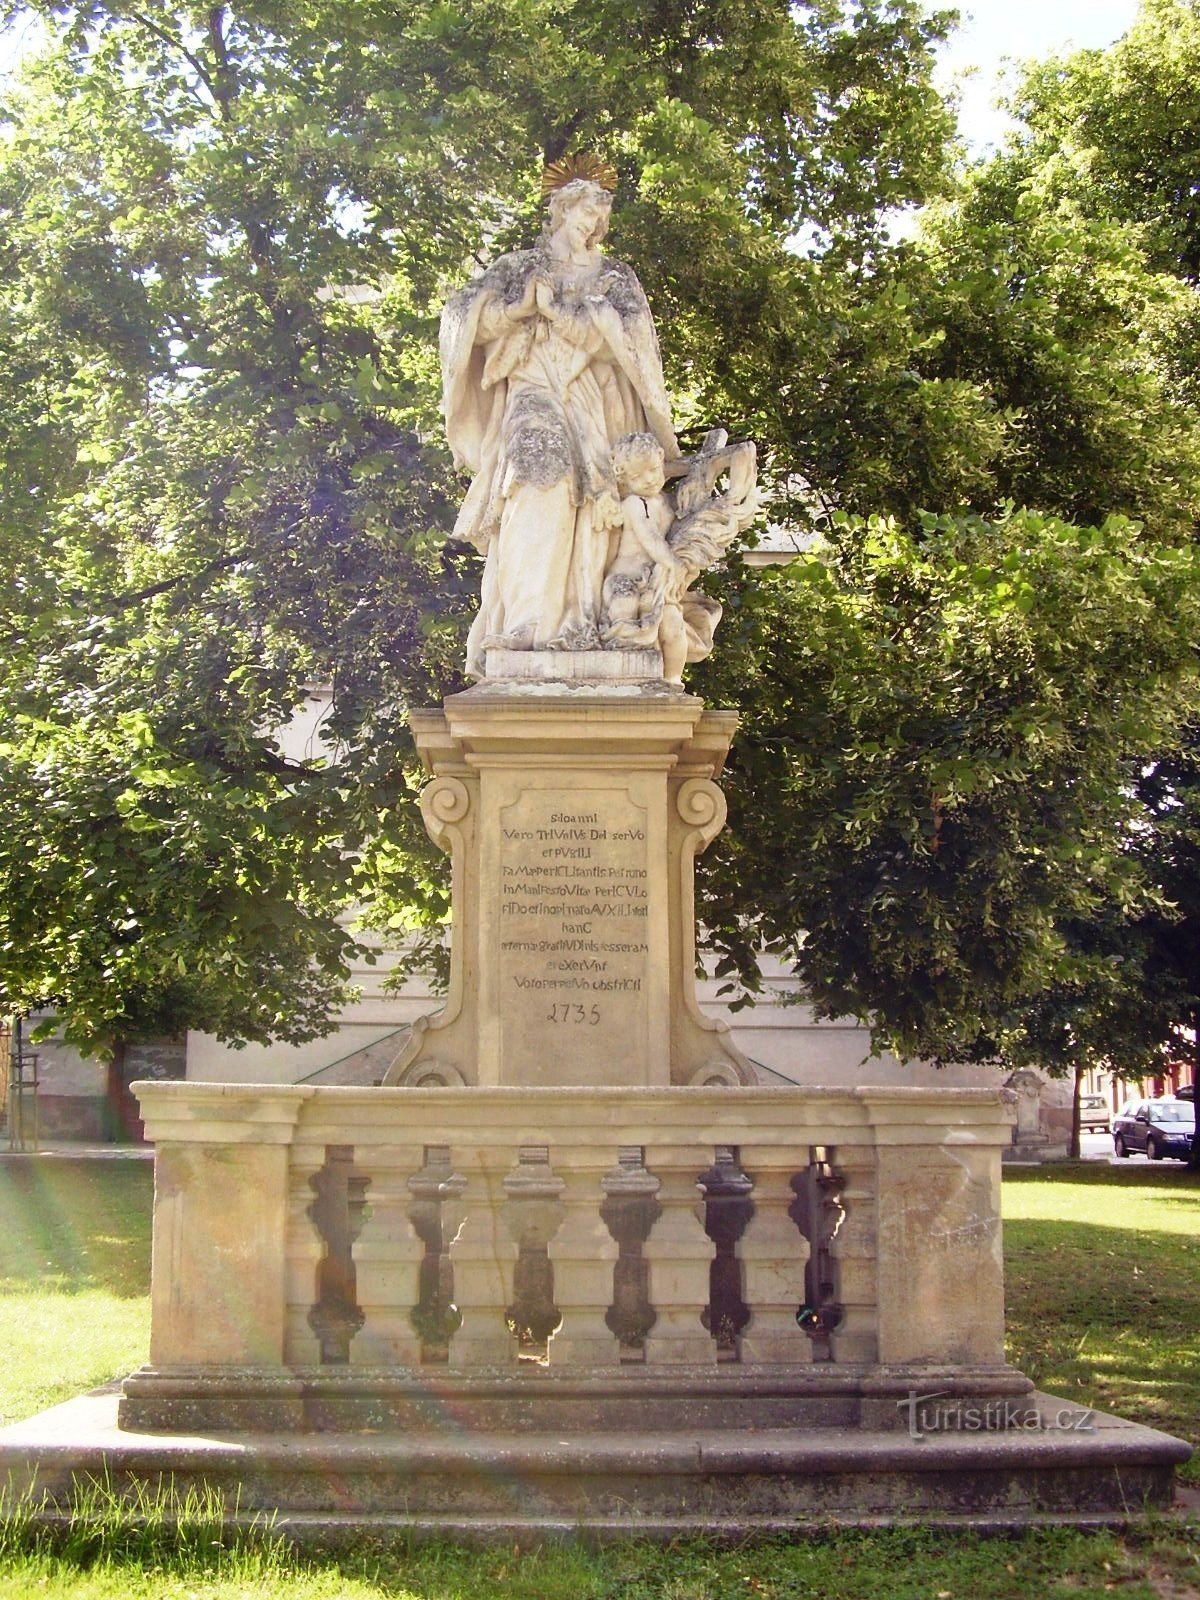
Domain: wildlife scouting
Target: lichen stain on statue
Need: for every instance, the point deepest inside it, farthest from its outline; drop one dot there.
(555, 403)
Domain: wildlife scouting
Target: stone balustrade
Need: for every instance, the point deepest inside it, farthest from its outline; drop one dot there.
(575, 1229)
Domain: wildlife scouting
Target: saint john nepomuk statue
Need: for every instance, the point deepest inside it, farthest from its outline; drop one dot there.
(549, 360)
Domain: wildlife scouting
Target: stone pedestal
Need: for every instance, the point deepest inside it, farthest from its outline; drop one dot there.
(573, 813)
(572, 1267)
(1031, 1144)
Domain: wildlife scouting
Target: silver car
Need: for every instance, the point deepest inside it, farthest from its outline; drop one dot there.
(1157, 1127)
(1093, 1113)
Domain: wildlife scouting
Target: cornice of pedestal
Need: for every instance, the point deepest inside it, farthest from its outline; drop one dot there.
(181, 1112)
(513, 724)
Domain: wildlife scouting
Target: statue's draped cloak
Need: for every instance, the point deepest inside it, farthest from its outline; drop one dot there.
(533, 409)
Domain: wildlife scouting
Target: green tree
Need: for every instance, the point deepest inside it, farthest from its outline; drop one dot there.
(1116, 129)
(946, 739)
(1107, 147)
(1026, 347)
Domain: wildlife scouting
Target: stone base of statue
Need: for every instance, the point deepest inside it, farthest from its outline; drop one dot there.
(572, 810)
(573, 1270)
(516, 1313)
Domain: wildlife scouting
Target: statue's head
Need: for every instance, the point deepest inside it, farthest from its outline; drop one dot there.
(579, 191)
(584, 202)
(637, 460)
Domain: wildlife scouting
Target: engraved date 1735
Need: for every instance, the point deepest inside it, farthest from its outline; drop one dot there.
(574, 1013)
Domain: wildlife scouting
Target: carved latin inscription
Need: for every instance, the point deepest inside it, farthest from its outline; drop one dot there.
(574, 930)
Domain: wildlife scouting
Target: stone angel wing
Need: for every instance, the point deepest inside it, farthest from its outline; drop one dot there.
(706, 524)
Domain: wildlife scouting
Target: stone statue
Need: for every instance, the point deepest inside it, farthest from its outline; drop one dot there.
(550, 360)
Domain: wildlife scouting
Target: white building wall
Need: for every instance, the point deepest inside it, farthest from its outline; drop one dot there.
(781, 1035)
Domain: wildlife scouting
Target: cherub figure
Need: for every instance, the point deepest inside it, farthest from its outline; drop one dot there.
(664, 544)
(641, 590)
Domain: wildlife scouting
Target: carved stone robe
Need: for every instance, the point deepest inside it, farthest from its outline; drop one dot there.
(533, 408)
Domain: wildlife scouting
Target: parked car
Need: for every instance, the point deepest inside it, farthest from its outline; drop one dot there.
(1187, 1092)
(1157, 1127)
(1093, 1113)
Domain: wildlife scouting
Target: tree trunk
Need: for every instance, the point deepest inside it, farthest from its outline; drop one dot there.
(1075, 1149)
(122, 1123)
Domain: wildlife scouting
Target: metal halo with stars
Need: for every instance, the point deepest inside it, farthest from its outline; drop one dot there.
(583, 165)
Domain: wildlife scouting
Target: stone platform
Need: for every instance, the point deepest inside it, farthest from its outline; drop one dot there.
(450, 1481)
(523, 1313)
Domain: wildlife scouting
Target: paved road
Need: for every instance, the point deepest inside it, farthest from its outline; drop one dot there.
(1099, 1147)
(69, 1150)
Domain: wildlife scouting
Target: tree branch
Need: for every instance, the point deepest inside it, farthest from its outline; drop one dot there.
(224, 88)
(137, 597)
(192, 60)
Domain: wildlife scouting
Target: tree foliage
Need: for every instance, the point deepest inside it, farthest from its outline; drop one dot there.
(1117, 131)
(1106, 151)
(952, 717)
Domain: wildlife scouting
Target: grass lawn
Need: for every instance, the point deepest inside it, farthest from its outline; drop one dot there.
(1102, 1272)
(1104, 1291)
(884, 1566)
(74, 1276)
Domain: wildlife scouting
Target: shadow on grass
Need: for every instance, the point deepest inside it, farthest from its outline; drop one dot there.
(76, 1224)
(1132, 1174)
(901, 1564)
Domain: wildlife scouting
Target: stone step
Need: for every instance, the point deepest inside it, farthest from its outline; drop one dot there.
(637, 1398)
(547, 1485)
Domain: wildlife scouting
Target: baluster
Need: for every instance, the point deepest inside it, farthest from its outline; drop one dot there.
(727, 1209)
(773, 1256)
(437, 1216)
(629, 1211)
(338, 1214)
(482, 1254)
(855, 1251)
(818, 1213)
(583, 1253)
(533, 1213)
(679, 1254)
(387, 1259)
